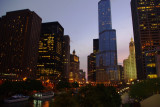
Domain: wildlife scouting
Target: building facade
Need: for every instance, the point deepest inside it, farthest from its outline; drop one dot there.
(130, 71)
(120, 73)
(152, 63)
(95, 45)
(19, 37)
(82, 78)
(92, 67)
(157, 62)
(92, 62)
(146, 26)
(66, 56)
(74, 67)
(107, 42)
(50, 66)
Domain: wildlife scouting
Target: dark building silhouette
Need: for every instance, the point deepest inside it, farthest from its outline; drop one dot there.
(146, 26)
(92, 67)
(19, 37)
(120, 72)
(74, 67)
(157, 60)
(50, 66)
(82, 78)
(66, 56)
(95, 45)
(92, 62)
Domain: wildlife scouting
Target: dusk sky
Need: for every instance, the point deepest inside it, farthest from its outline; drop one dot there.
(79, 19)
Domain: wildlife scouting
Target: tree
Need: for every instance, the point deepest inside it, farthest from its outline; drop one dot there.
(20, 87)
(145, 89)
(63, 84)
(90, 96)
(31, 85)
(65, 100)
(75, 85)
(98, 96)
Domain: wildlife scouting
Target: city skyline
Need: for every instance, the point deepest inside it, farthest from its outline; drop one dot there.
(73, 18)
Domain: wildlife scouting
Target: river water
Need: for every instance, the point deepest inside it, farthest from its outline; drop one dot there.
(31, 103)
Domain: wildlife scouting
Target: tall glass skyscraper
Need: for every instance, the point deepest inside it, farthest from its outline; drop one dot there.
(106, 58)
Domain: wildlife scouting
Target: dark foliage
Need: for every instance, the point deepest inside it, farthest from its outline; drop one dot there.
(20, 87)
(89, 96)
(145, 89)
(65, 100)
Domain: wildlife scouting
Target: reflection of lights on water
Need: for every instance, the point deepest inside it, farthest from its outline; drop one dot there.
(37, 103)
(52, 99)
(46, 104)
(43, 103)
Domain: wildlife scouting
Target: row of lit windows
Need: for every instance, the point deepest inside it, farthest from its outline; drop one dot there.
(42, 51)
(148, 7)
(43, 48)
(40, 65)
(48, 34)
(45, 56)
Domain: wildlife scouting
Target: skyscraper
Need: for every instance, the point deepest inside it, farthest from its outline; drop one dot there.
(130, 71)
(120, 73)
(19, 37)
(92, 67)
(74, 67)
(146, 26)
(66, 56)
(92, 61)
(95, 45)
(106, 58)
(82, 78)
(50, 52)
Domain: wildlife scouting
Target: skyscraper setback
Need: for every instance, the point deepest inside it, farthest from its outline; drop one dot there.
(146, 26)
(106, 58)
(19, 37)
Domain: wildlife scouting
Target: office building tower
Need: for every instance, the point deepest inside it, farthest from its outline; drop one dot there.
(50, 66)
(146, 26)
(74, 67)
(120, 73)
(82, 78)
(95, 45)
(92, 61)
(157, 61)
(66, 56)
(130, 71)
(92, 67)
(19, 37)
(151, 62)
(106, 58)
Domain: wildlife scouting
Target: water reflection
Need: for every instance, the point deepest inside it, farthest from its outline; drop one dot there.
(31, 103)
(37, 103)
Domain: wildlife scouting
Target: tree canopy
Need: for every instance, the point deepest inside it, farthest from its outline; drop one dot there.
(144, 89)
(99, 96)
(19, 87)
(91, 96)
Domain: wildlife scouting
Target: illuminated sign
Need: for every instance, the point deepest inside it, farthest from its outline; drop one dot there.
(76, 59)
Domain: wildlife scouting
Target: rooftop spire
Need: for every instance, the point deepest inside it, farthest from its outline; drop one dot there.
(131, 39)
(74, 52)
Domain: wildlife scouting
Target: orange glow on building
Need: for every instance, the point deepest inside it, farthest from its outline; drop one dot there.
(76, 59)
